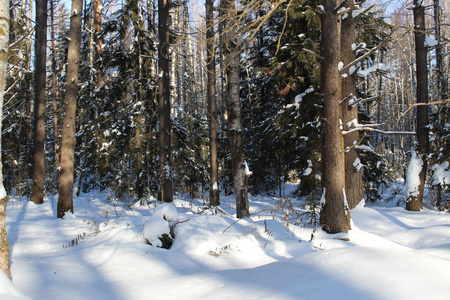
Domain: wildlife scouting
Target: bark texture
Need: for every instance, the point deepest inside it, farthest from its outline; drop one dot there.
(235, 131)
(212, 114)
(354, 185)
(335, 214)
(37, 188)
(65, 201)
(98, 41)
(165, 130)
(415, 203)
(4, 42)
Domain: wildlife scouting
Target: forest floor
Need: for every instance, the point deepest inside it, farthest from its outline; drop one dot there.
(99, 253)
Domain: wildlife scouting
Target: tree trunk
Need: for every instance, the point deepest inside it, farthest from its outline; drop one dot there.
(165, 130)
(138, 141)
(4, 43)
(439, 57)
(37, 188)
(354, 185)
(414, 203)
(98, 41)
(214, 197)
(65, 201)
(54, 85)
(335, 214)
(235, 131)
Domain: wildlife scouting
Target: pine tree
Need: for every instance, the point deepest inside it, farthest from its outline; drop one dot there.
(165, 131)
(335, 213)
(414, 202)
(354, 187)
(37, 189)
(66, 179)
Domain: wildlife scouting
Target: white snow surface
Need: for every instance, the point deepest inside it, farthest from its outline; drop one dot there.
(99, 253)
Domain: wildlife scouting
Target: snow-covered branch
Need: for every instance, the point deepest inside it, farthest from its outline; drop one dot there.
(346, 68)
(364, 100)
(367, 128)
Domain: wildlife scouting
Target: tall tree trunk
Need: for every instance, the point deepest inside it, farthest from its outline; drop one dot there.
(54, 83)
(165, 130)
(37, 188)
(138, 141)
(65, 201)
(335, 214)
(214, 197)
(235, 131)
(414, 202)
(354, 185)
(439, 57)
(4, 44)
(98, 40)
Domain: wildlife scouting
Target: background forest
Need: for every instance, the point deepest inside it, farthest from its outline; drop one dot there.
(287, 149)
(117, 118)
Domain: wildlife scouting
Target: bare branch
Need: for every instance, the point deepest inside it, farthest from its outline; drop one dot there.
(420, 104)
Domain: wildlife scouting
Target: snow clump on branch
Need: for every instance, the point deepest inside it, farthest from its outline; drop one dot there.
(158, 224)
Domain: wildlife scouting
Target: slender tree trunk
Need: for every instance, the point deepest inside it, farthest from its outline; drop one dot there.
(37, 188)
(4, 44)
(235, 131)
(54, 83)
(335, 214)
(354, 185)
(214, 197)
(165, 130)
(414, 203)
(138, 141)
(98, 41)
(65, 201)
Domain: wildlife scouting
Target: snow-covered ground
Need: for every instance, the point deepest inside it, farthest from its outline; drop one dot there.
(100, 253)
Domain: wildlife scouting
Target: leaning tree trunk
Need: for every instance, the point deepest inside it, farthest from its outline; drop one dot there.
(235, 131)
(354, 185)
(214, 197)
(414, 202)
(65, 201)
(165, 130)
(4, 44)
(335, 214)
(37, 188)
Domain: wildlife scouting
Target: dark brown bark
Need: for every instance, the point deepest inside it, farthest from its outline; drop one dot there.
(335, 215)
(165, 130)
(37, 188)
(65, 201)
(414, 203)
(211, 94)
(235, 131)
(354, 185)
